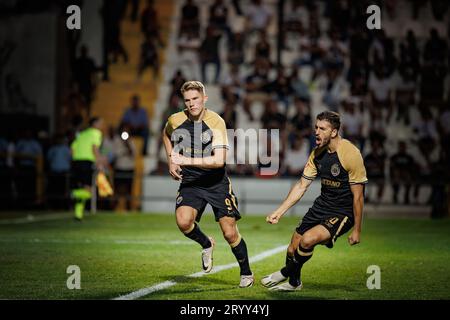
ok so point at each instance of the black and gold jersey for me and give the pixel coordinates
(337, 171)
(195, 140)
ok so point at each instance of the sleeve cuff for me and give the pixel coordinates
(224, 146)
(359, 182)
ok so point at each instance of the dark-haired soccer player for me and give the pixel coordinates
(339, 207)
(85, 157)
(196, 147)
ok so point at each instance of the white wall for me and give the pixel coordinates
(255, 196)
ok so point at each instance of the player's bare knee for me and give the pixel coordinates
(185, 225)
(230, 235)
(308, 241)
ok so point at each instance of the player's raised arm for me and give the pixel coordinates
(358, 204)
(295, 194)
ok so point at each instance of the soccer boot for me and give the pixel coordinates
(286, 287)
(247, 281)
(273, 279)
(207, 257)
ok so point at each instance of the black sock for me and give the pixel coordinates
(240, 252)
(294, 267)
(198, 236)
(289, 260)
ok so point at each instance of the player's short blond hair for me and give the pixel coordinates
(193, 85)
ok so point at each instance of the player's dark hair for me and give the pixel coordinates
(93, 120)
(332, 117)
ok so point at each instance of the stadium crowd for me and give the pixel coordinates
(379, 84)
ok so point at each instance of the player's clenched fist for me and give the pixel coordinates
(273, 218)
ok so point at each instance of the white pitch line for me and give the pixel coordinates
(166, 284)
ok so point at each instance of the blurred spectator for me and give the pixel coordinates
(439, 9)
(377, 127)
(177, 82)
(233, 85)
(209, 53)
(440, 179)
(256, 85)
(190, 21)
(149, 57)
(149, 23)
(124, 164)
(299, 87)
(432, 86)
(262, 47)
(235, 54)
(218, 17)
(296, 157)
(112, 13)
(134, 10)
(444, 128)
(405, 90)
(375, 163)
(296, 17)
(301, 122)
(229, 114)
(403, 169)
(281, 88)
(335, 89)
(352, 124)
(85, 76)
(270, 159)
(358, 73)
(304, 49)
(340, 16)
(391, 8)
(381, 53)
(74, 111)
(28, 153)
(435, 51)
(336, 53)
(380, 90)
(258, 17)
(136, 119)
(416, 5)
(427, 135)
(272, 118)
(107, 147)
(188, 46)
(409, 61)
(237, 7)
(59, 158)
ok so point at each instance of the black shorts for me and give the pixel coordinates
(220, 196)
(81, 174)
(336, 224)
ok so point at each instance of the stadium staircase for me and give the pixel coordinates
(114, 96)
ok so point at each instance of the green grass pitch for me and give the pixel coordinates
(119, 254)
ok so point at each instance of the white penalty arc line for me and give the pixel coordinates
(167, 284)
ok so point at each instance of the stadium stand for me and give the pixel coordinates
(390, 85)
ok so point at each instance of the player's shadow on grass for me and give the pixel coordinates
(307, 292)
(202, 284)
